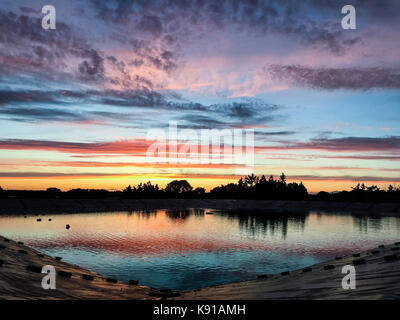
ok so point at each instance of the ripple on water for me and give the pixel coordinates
(187, 250)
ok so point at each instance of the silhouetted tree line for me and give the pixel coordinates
(174, 189)
(361, 193)
(254, 187)
(249, 187)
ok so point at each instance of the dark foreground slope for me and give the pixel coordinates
(377, 277)
(20, 278)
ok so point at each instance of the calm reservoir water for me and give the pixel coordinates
(189, 249)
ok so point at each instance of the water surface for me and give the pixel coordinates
(189, 249)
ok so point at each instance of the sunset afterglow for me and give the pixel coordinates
(77, 103)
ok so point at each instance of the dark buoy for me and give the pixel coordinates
(58, 258)
(64, 274)
(163, 293)
(391, 257)
(111, 280)
(38, 220)
(67, 226)
(49, 219)
(209, 212)
(25, 217)
(329, 267)
(33, 268)
(87, 277)
(359, 262)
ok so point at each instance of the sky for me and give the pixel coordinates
(77, 103)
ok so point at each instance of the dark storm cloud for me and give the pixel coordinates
(93, 68)
(360, 157)
(27, 47)
(232, 115)
(246, 110)
(389, 145)
(63, 104)
(28, 10)
(240, 110)
(39, 114)
(160, 55)
(59, 97)
(337, 78)
(53, 174)
(145, 99)
(123, 98)
(349, 144)
(183, 19)
(65, 54)
(10, 96)
(125, 78)
(151, 24)
(251, 111)
(344, 178)
(60, 105)
(387, 10)
(274, 133)
(198, 121)
(130, 98)
(127, 147)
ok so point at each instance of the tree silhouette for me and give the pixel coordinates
(248, 187)
(254, 187)
(178, 186)
(199, 191)
(251, 181)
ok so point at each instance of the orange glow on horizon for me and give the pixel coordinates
(119, 182)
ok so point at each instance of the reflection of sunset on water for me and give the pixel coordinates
(189, 241)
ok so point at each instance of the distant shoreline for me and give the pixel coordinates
(24, 206)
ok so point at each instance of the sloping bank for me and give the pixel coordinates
(377, 277)
(21, 278)
(10, 206)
